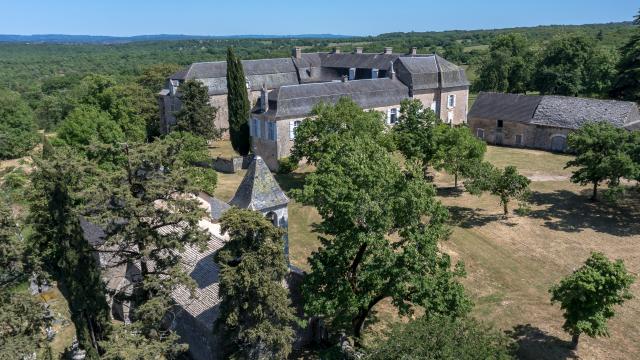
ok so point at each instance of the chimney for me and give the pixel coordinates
(345, 78)
(388, 50)
(336, 50)
(414, 51)
(264, 99)
(392, 71)
(297, 52)
(359, 50)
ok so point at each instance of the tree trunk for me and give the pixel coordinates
(358, 321)
(595, 192)
(505, 208)
(455, 180)
(574, 341)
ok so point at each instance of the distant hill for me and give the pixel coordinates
(97, 39)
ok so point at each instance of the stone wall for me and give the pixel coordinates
(533, 136)
(461, 107)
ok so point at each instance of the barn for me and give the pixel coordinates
(543, 122)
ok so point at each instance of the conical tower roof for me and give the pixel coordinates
(259, 189)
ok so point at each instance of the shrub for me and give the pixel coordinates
(287, 166)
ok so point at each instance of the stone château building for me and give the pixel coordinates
(283, 91)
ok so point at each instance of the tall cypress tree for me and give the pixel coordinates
(238, 104)
(196, 115)
(60, 246)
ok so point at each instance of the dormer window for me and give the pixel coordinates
(352, 73)
(374, 73)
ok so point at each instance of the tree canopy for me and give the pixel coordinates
(589, 295)
(17, 126)
(196, 115)
(507, 184)
(508, 65)
(374, 243)
(415, 132)
(602, 154)
(256, 317)
(458, 151)
(334, 124)
(443, 338)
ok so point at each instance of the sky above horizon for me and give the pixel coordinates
(372, 17)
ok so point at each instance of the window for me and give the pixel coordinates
(450, 117)
(374, 73)
(271, 130)
(500, 123)
(393, 116)
(480, 134)
(293, 125)
(519, 140)
(255, 128)
(451, 101)
(352, 73)
(434, 106)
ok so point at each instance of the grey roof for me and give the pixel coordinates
(499, 106)
(259, 189)
(430, 72)
(360, 61)
(93, 233)
(556, 111)
(271, 73)
(299, 100)
(203, 306)
(218, 207)
(573, 112)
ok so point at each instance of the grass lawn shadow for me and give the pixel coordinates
(572, 212)
(467, 218)
(534, 343)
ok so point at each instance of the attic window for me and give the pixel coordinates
(374, 73)
(500, 123)
(352, 73)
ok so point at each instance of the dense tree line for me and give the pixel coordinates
(569, 64)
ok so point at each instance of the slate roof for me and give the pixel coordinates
(298, 100)
(419, 72)
(272, 73)
(499, 106)
(258, 189)
(573, 112)
(430, 72)
(203, 306)
(360, 61)
(556, 111)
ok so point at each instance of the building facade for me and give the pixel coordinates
(283, 91)
(543, 122)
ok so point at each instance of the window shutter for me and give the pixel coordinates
(251, 127)
(292, 134)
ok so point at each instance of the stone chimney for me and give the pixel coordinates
(388, 50)
(392, 71)
(297, 52)
(336, 50)
(345, 78)
(414, 51)
(264, 99)
(359, 50)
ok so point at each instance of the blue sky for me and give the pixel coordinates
(231, 17)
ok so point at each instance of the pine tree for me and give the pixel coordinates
(238, 104)
(255, 314)
(196, 115)
(61, 247)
